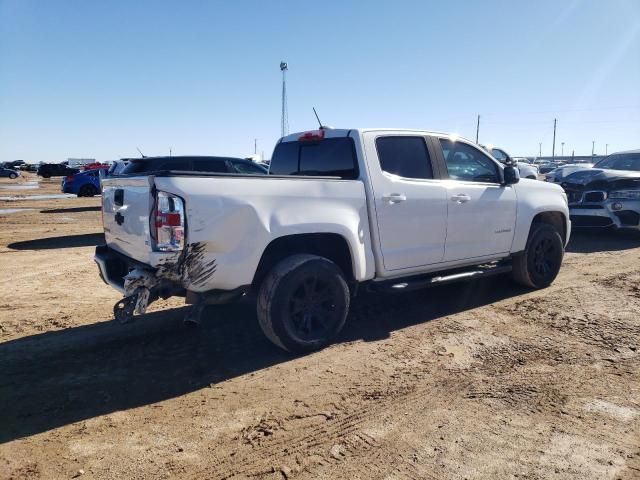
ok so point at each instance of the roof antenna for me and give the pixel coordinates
(317, 118)
(141, 154)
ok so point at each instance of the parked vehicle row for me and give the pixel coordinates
(340, 211)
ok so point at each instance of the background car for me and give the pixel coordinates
(82, 184)
(49, 170)
(9, 172)
(525, 169)
(607, 195)
(194, 163)
(557, 175)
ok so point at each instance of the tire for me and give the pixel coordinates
(303, 303)
(13, 176)
(46, 176)
(87, 191)
(538, 267)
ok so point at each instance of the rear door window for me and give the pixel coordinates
(406, 157)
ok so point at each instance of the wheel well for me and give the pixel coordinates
(556, 219)
(328, 245)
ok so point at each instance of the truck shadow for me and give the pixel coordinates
(67, 241)
(57, 378)
(72, 210)
(598, 240)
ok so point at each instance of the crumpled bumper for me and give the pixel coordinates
(613, 213)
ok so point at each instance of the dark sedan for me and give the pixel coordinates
(8, 172)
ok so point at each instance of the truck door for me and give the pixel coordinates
(482, 211)
(409, 198)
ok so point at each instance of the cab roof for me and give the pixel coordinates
(344, 132)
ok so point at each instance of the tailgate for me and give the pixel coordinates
(126, 208)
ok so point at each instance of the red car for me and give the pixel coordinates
(93, 166)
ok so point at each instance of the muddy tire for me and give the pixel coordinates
(539, 265)
(87, 191)
(303, 303)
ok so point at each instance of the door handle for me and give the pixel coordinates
(394, 198)
(460, 198)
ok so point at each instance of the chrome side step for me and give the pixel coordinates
(425, 281)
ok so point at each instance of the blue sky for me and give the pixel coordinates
(100, 78)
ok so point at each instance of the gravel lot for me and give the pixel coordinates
(479, 380)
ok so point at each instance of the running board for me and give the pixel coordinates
(426, 281)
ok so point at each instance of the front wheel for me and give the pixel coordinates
(13, 176)
(303, 303)
(538, 267)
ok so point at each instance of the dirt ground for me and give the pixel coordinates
(480, 380)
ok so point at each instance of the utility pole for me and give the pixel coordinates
(593, 148)
(563, 149)
(284, 121)
(606, 149)
(540, 154)
(255, 146)
(553, 148)
(478, 129)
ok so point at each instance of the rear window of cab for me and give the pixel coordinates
(329, 157)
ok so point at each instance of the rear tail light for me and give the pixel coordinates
(68, 178)
(169, 222)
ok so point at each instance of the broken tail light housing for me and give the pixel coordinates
(169, 222)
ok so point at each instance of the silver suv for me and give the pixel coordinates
(607, 195)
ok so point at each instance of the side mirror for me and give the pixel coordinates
(511, 175)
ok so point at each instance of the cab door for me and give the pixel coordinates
(410, 200)
(481, 210)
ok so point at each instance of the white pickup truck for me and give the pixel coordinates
(341, 210)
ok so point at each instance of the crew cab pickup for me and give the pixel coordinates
(340, 211)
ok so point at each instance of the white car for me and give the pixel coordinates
(341, 211)
(526, 169)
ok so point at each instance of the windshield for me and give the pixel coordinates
(620, 161)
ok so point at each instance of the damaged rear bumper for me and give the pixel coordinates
(117, 270)
(114, 266)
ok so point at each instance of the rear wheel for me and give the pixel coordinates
(12, 176)
(87, 191)
(303, 303)
(539, 265)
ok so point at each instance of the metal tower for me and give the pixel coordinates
(284, 121)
